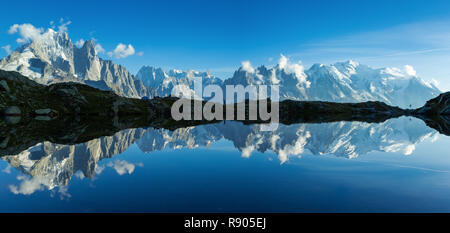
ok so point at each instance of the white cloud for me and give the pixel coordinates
(282, 62)
(79, 175)
(435, 82)
(409, 70)
(409, 149)
(297, 68)
(27, 32)
(79, 43)
(122, 51)
(122, 167)
(290, 150)
(435, 137)
(7, 49)
(99, 48)
(247, 151)
(99, 170)
(63, 25)
(64, 192)
(7, 169)
(247, 66)
(27, 186)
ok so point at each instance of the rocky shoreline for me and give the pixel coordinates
(70, 113)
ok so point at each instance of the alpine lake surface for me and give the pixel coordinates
(400, 165)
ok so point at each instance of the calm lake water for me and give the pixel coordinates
(400, 165)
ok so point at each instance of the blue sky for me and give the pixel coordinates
(218, 35)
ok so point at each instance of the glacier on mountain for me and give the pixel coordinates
(340, 82)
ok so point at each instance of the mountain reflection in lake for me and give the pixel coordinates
(398, 165)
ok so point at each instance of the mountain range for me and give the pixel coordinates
(54, 58)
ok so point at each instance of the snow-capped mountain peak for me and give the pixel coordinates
(52, 57)
(52, 46)
(347, 81)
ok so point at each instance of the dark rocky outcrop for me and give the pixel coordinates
(436, 106)
(63, 98)
(319, 111)
(70, 113)
(436, 113)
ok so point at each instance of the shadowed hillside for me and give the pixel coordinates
(70, 113)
